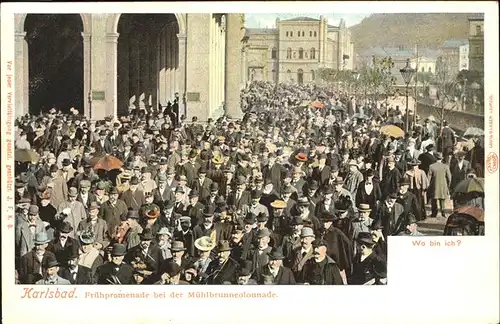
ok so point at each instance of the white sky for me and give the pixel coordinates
(269, 20)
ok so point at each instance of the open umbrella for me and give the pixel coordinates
(23, 155)
(317, 104)
(470, 185)
(392, 130)
(107, 162)
(473, 132)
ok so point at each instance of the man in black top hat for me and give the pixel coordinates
(145, 257)
(115, 272)
(103, 145)
(366, 262)
(63, 244)
(389, 213)
(321, 269)
(76, 274)
(203, 184)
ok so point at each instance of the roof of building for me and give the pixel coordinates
(477, 16)
(331, 26)
(260, 31)
(301, 19)
(453, 43)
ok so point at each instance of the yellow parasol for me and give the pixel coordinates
(392, 130)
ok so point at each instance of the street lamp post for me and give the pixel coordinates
(464, 94)
(407, 74)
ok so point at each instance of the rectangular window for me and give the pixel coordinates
(310, 34)
(298, 34)
(286, 34)
(291, 34)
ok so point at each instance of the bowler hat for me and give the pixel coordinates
(438, 155)
(146, 235)
(250, 219)
(66, 162)
(208, 211)
(171, 268)
(33, 210)
(365, 238)
(66, 228)
(404, 181)
(223, 246)
(263, 233)
(214, 186)
(313, 185)
(50, 261)
(244, 272)
(261, 218)
(327, 216)
(256, 194)
(276, 254)
(204, 243)
(85, 184)
(134, 180)
(41, 238)
(288, 189)
(194, 193)
(376, 225)
(411, 219)
(177, 246)
(393, 195)
(297, 220)
(179, 189)
(93, 205)
(307, 232)
(118, 250)
(328, 190)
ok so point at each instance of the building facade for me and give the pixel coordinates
(450, 54)
(143, 60)
(476, 43)
(296, 49)
(464, 57)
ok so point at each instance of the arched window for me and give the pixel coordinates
(288, 75)
(286, 34)
(289, 53)
(300, 76)
(310, 33)
(303, 34)
(313, 54)
(313, 76)
(291, 34)
(430, 69)
(423, 69)
(273, 53)
(315, 34)
(301, 53)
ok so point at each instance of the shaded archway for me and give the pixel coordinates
(55, 61)
(148, 61)
(300, 76)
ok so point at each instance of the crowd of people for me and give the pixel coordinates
(292, 193)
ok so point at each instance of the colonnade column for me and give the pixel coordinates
(173, 61)
(86, 73)
(134, 69)
(112, 65)
(222, 64)
(145, 89)
(124, 73)
(162, 78)
(21, 76)
(181, 75)
(153, 68)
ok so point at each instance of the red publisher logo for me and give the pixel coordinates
(492, 162)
